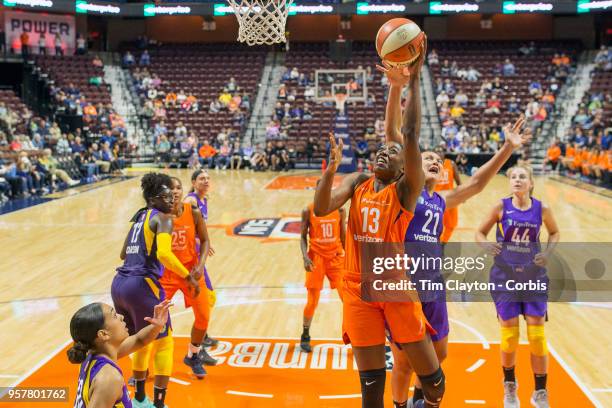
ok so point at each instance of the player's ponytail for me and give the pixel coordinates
(77, 353)
(84, 327)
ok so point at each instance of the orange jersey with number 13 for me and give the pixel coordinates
(373, 217)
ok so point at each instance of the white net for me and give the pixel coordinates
(261, 21)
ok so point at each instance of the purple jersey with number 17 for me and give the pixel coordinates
(141, 251)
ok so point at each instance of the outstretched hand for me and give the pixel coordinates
(160, 314)
(335, 153)
(515, 135)
(398, 76)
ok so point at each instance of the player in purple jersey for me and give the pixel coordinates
(136, 289)
(426, 226)
(101, 338)
(200, 183)
(518, 257)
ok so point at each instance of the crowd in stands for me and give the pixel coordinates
(472, 122)
(178, 148)
(586, 150)
(175, 115)
(37, 157)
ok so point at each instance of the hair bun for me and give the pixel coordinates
(77, 353)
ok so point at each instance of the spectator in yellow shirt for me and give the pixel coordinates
(457, 111)
(225, 97)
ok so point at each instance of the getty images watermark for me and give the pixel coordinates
(468, 272)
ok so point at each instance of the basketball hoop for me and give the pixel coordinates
(261, 21)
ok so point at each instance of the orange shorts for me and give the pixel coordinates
(367, 323)
(171, 282)
(450, 221)
(330, 267)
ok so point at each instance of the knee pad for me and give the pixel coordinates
(164, 353)
(433, 386)
(373, 387)
(537, 340)
(140, 358)
(212, 298)
(509, 339)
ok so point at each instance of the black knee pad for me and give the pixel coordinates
(433, 387)
(373, 388)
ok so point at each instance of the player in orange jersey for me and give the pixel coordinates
(448, 179)
(323, 257)
(189, 223)
(423, 229)
(381, 209)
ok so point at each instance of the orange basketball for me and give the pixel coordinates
(399, 41)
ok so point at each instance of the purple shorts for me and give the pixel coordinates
(509, 310)
(135, 297)
(437, 316)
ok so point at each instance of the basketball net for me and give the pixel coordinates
(261, 21)
(340, 101)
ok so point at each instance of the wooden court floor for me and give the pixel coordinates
(60, 255)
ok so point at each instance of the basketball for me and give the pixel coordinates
(399, 41)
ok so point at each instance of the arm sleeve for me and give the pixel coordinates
(166, 257)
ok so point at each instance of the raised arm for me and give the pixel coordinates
(411, 183)
(398, 78)
(515, 138)
(149, 333)
(327, 200)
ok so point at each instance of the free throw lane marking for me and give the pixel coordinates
(249, 394)
(476, 365)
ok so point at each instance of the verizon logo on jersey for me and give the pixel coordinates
(364, 238)
(366, 200)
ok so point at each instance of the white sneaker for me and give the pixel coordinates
(539, 399)
(511, 399)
